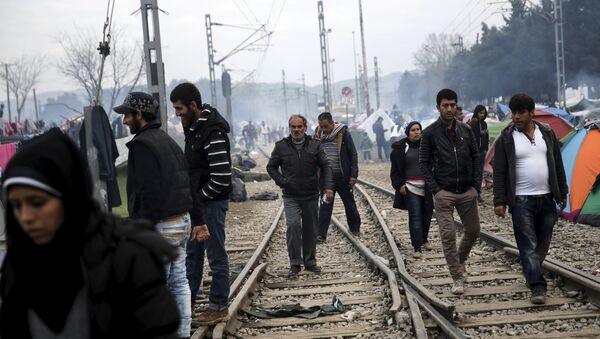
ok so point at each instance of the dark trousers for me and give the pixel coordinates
(214, 215)
(420, 211)
(346, 193)
(533, 222)
(301, 234)
(381, 148)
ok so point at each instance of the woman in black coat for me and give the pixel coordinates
(409, 185)
(72, 270)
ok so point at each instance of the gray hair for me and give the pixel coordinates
(304, 122)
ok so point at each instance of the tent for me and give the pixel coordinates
(367, 124)
(560, 127)
(563, 114)
(581, 159)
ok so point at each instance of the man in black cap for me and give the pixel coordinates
(158, 189)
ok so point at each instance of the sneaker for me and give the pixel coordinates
(211, 317)
(458, 287)
(294, 270)
(314, 269)
(427, 246)
(538, 297)
(417, 253)
(320, 239)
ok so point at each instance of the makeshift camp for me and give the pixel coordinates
(581, 159)
(367, 124)
(560, 127)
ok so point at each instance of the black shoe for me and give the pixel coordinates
(294, 270)
(355, 233)
(538, 297)
(314, 269)
(320, 239)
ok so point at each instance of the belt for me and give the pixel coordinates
(539, 196)
(173, 218)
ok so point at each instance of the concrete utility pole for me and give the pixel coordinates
(364, 55)
(35, 104)
(560, 54)
(356, 88)
(304, 95)
(7, 93)
(377, 83)
(324, 57)
(284, 92)
(211, 61)
(226, 89)
(155, 72)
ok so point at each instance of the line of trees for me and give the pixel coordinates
(519, 56)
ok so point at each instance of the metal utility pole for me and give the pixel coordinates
(35, 104)
(284, 92)
(226, 88)
(560, 54)
(364, 55)
(356, 89)
(155, 72)
(324, 57)
(211, 61)
(377, 83)
(330, 62)
(7, 93)
(304, 95)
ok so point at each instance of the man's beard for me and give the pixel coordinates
(135, 127)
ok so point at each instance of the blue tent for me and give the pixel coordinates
(501, 111)
(559, 112)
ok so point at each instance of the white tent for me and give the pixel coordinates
(367, 124)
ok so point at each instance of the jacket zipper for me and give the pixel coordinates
(456, 161)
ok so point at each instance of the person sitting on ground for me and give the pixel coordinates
(71, 270)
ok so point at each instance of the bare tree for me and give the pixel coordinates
(435, 54)
(23, 74)
(123, 69)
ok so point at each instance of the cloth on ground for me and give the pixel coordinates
(265, 195)
(296, 310)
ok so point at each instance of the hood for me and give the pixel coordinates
(399, 144)
(210, 118)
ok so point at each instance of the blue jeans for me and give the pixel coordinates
(214, 215)
(177, 281)
(533, 221)
(419, 218)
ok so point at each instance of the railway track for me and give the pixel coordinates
(496, 299)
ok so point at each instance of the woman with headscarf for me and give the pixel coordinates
(409, 185)
(482, 137)
(71, 270)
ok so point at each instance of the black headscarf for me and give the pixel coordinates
(46, 278)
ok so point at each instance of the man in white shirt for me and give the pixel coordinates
(529, 177)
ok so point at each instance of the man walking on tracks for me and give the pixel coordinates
(207, 151)
(158, 189)
(530, 178)
(339, 147)
(294, 165)
(449, 159)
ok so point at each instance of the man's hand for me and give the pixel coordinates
(402, 189)
(563, 203)
(329, 194)
(352, 182)
(200, 233)
(500, 211)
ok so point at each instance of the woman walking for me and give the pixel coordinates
(409, 185)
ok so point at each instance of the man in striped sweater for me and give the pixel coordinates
(207, 151)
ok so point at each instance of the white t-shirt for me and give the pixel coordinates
(531, 164)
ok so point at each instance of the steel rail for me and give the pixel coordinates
(252, 262)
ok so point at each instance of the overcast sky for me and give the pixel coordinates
(394, 30)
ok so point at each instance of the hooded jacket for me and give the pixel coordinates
(207, 151)
(120, 264)
(397, 172)
(346, 153)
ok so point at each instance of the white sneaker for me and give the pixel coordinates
(458, 287)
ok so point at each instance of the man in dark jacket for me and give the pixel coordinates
(530, 178)
(158, 189)
(380, 138)
(294, 165)
(482, 137)
(339, 147)
(449, 159)
(207, 151)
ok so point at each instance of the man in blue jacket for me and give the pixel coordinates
(341, 153)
